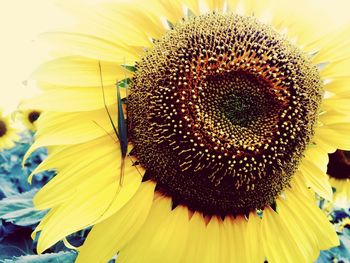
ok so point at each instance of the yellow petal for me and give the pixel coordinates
(92, 201)
(75, 99)
(254, 251)
(159, 213)
(337, 69)
(215, 5)
(337, 104)
(317, 156)
(62, 129)
(316, 179)
(61, 156)
(338, 85)
(109, 236)
(104, 20)
(334, 48)
(93, 47)
(168, 10)
(336, 135)
(76, 178)
(279, 245)
(298, 227)
(334, 117)
(80, 72)
(240, 235)
(196, 245)
(317, 220)
(166, 241)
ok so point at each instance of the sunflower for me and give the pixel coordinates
(187, 131)
(8, 133)
(29, 118)
(339, 173)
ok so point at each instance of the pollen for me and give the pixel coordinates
(220, 112)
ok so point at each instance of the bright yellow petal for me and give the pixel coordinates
(254, 251)
(109, 236)
(165, 239)
(338, 85)
(160, 212)
(335, 135)
(75, 99)
(196, 246)
(92, 200)
(334, 117)
(318, 222)
(279, 245)
(62, 128)
(80, 72)
(298, 227)
(107, 21)
(92, 47)
(215, 5)
(316, 179)
(171, 11)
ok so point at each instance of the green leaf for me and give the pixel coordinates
(19, 209)
(61, 257)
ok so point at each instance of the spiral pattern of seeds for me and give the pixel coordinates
(220, 112)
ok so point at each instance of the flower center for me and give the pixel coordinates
(33, 116)
(339, 165)
(3, 128)
(220, 112)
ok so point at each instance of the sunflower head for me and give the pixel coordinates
(7, 133)
(29, 118)
(228, 96)
(3, 127)
(339, 173)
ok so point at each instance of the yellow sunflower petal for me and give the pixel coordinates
(335, 135)
(58, 191)
(109, 236)
(80, 72)
(92, 47)
(338, 85)
(91, 201)
(196, 245)
(75, 99)
(160, 212)
(254, 251)
(334, 117)
(61, 156)
(334, 48)
(104, 20)
(337, 69)
(316, 179)
(279, 245)
(166, 240)
(217, 5)
(317, 220)
(61, 129)
(296, 224)
(169, 10)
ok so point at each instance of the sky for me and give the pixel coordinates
(20, 23)
(22, 20)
